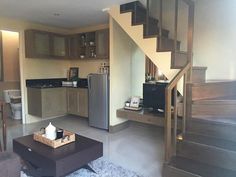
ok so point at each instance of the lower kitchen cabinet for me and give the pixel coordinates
(47, 102)
(77, 101)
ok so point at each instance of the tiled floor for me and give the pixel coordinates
(138, 148)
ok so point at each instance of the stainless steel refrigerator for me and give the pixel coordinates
(98, 86)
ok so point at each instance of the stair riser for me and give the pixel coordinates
(218, 130)
(178, 60)
(166, 45)
(154, 30)
(221, 110)
(213, 90)
(169, 171)
(207, 154)
(199, 75)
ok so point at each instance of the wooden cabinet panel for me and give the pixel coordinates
(77, 101)
(102, 44)
(59, 46)
(72, 101)
(41, 44)
(47, 103)
(73, 46)
(90, 45)
(54, 102)
(94, 45)
(83, 102)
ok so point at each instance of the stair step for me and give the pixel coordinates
(166, 45)
(152, 21)
(199, 74)
(218, 128)
(212, 90)
(226, 120)
(139, 18)
(138, 12)
(178, 59)
(208, 150)
(183, 167)
(210, 141)
(214, 108)
(154, 30)
(130, 7)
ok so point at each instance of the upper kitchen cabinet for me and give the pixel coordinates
(89, 45)
(73, 46)
(102, 44)
(94, 45)
(59, 44)
(41, 44)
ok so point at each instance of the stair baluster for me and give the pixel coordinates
(147, 18)
(160, 24)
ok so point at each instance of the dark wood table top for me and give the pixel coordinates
(81, 144)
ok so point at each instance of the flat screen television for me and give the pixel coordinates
(154, 95)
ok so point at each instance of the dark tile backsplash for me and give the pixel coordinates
(51, 83)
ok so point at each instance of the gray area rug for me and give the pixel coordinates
(103, 168)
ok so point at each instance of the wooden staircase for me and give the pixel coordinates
(145, 31)
(207, 145)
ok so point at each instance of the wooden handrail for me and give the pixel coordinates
(180, 74)
(168, 94)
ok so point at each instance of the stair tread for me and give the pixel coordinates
(225, 98)
(219, 100)
(200, 169)
(217, 120)
(210, 141)
(214, 82)
(199, 67)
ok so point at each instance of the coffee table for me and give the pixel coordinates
(43, 160)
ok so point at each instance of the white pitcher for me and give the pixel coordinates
(50, 132)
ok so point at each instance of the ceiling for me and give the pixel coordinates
(60, 13)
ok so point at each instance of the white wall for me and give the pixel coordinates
(120, 61)
(137, 71)
(214, 38)
(127, 70)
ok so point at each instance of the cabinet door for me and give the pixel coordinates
(73, 46)
(59, 46)
(53, 102)
(41, 44)
(83, 102)
(102, 44)
(72, 96)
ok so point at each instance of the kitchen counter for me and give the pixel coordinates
(48, 98)
(46, 87)
(54, 83)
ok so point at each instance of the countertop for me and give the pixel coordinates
(54, 83)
